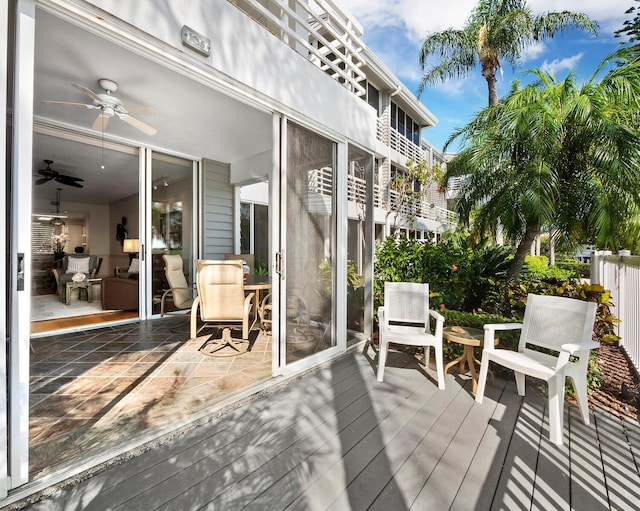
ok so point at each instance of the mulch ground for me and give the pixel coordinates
(620, 388)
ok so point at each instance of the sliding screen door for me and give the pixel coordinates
(307, 312)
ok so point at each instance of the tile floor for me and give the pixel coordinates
(92, 390)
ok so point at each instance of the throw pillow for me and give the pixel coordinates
(78, 265)
(135, 265)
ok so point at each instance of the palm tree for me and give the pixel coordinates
(497, 30)
(557, 155)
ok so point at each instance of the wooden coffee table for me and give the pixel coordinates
(85, 284)
(469, 338)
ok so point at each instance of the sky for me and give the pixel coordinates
(395, 29)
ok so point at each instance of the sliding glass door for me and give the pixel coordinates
(171, 217)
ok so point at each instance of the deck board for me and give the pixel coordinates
(338, 439)
(588, 486)
(621, 473)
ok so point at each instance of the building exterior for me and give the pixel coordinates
(254, 125)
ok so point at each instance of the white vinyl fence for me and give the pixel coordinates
(621, 275)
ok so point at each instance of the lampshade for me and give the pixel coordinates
(130, 245)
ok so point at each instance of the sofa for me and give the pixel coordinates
(119, 294)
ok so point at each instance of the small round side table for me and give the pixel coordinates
(469, 338)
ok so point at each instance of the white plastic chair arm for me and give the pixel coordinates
(439, 323)
(438, 317)
(502, 326)
(573, 348)
(490, 332)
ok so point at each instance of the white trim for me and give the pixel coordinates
(20, 306)
(339, 298)
(4, 437)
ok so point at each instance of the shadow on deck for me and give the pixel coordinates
(337, 439)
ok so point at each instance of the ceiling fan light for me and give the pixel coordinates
(107, 111)
(57, 221)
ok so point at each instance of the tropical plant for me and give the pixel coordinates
(497, 30)
(555, 155)
(408, 189)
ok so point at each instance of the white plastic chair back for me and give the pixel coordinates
(406, 302)
(551, 321)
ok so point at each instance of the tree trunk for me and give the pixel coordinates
(521, 252)
(493, 92)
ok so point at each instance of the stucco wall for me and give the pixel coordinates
(246, 52)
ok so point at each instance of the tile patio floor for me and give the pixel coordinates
(91, 391)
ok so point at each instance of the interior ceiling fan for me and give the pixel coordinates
(109, 106)
(49, 174)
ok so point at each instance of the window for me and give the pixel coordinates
(404, 124)
(41, 237)
(373, 97)
(254, 232)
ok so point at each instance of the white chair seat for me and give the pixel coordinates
(529, 363)
(411, 336)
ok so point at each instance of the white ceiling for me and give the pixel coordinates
(191, 119)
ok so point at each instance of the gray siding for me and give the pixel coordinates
(218, 209)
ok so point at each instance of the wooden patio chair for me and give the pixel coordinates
(555, 340)
(405, 319)
(222, 301)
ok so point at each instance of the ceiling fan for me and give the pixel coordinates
(49, 174)
(109, 106)
(57, 220)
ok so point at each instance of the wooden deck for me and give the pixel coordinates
(338, 439)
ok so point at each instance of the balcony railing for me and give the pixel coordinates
(406, 147)
(319, 31)
(321, 183)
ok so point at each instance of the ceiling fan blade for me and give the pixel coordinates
(145, 128)
(69, 181)
(48, 173)
(139, 109)
(88, 91)
(42, 180)
(68, 103)
(100, 124)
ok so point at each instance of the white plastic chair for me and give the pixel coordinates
(562, 325)
(404, 319)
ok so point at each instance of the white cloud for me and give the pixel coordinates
(420, 18)
(565, 64)
(533, 51)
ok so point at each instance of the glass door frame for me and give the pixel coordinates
(146, 229)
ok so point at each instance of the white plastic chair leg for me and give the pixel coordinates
(427, 355)
(520, 383)
(482, 378)
(439, 367)
(583, 399)
(382, 358)
(556, 408)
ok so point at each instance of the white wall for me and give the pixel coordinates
(248, 53)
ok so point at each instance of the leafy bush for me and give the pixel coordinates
(578, 269)
(459, 277)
